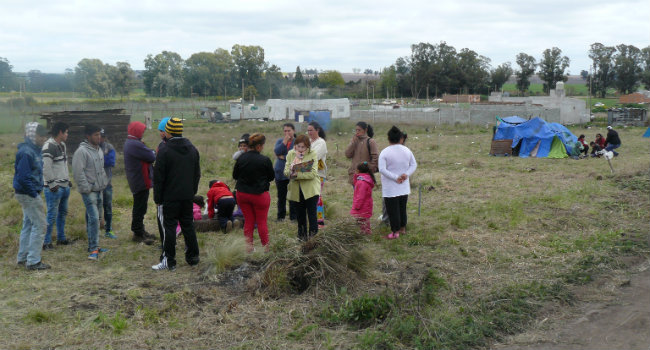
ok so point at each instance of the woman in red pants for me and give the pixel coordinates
(253, 172)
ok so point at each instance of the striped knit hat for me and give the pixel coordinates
(174, 127)
(34, 128)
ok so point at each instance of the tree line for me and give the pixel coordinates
(430, 70)
(433, 69)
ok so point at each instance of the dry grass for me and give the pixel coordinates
(485, 223)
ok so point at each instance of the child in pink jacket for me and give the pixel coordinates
(364, 182)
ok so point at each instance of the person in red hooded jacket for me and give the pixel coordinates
(364, 182)
(138, 160)
(221, 200)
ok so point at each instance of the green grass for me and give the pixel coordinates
(461, 277)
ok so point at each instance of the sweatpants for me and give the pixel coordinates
(140, 200)
(225, 208)
(396, 209)
(255, 208)
(171, 215)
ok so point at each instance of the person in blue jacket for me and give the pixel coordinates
(28, 184)
(107, 194)
(282, 147)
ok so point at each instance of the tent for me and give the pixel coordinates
(647, 133)
(537, 138)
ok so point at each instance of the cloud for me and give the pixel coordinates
(341, 35)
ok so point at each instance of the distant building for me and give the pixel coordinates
(571, 110)
(637, 97)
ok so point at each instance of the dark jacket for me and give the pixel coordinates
(612, 138)
(109, 159)
(253, 173)
(138, 160)
(281, 150)
(177, 171)
(28, 169)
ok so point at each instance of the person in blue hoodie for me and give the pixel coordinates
(282, 147)
(28, 184)
(107, 194)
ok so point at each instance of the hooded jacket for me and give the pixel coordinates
(177, 171)
(218, 190)
(28, 169)
(88, 168)
(55, 164)
(253, 172)
(109, 159)
(281, 149)
(357, 152)
(612, 138)
(362, 200)
(138, 159)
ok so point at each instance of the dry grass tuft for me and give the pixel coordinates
(225, 253)
(333, 257)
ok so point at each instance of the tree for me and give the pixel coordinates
(251, 92)
(163, 74)
(389, 80)
(274, 79)
(91, 78)
(331, 79)
(298, 78)
(225, 70)
(602, 58)
(200, 74)
(645, 62)
(584, 75)
(500, 75)
(473, 71)
(8, 81)
(123, 78)
(627, 68)
(527, 67)
(249, 63)
(552, 67)
(368, 71)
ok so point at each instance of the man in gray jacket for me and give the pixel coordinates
(89, 174)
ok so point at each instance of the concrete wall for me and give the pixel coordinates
(285, 109)
(475, 114)
(572, 110)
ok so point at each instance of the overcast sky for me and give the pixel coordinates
(335, 34)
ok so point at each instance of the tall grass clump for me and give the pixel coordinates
(225, 253)
(335, 256)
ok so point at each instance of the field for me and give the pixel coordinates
(497, 245)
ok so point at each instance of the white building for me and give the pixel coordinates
(286, 109)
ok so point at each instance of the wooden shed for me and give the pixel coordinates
(113, 121)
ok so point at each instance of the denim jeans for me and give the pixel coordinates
(107, 208)
(57, 210)
(33, 232)
(93, 203)
(612, 147)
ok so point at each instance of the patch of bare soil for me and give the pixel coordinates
(621, 322)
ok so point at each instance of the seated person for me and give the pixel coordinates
(584, 147)
(242, 147)
(221, 201)
(595, 149)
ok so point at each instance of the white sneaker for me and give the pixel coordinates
(381, 217)
(163, 266)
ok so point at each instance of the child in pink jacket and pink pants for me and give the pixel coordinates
(364, 182)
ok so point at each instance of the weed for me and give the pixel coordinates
(375, 340)
(39, 316)
(429, 287)
(361, 311)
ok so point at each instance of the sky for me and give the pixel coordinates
(53, 35)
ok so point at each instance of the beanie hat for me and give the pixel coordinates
(163, 122)
(174, 127)
(243, 139)
(609, 127)
(34, 128)
(136, 129)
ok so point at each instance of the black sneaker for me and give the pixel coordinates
(38, 266)
(21, 263)
(48, 246)
(149, 235)
(64, 242)
(145, 240)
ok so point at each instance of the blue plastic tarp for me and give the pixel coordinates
(647, 133)
(536, 132)
(514, 120)
(321, 117)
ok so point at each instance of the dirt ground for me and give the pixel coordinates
(621, 321)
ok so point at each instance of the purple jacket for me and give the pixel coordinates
(138, 160)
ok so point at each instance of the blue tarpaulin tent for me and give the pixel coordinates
(535, 138)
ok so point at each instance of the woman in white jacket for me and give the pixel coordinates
(318, 144)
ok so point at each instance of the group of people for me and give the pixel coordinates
(600, 144)
(173, 171)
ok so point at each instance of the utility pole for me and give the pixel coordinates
(241, 115)
(589, 104)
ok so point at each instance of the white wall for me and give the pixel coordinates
(285, 109)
